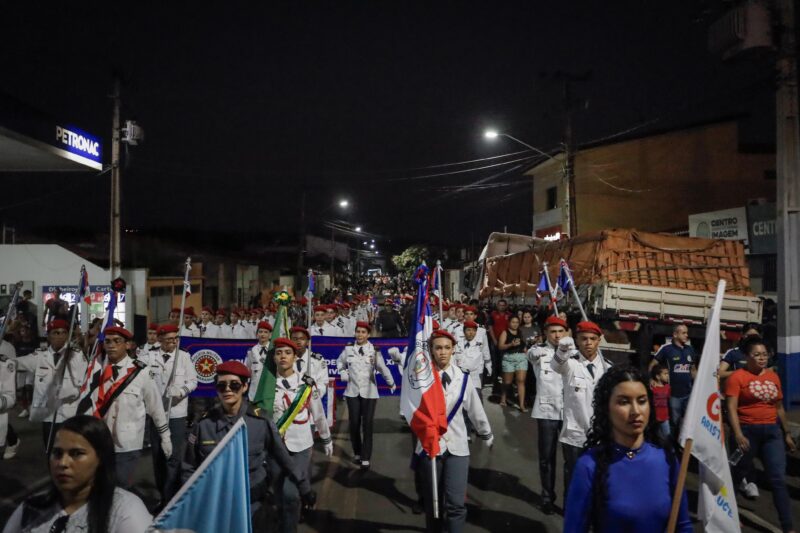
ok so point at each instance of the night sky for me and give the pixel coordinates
(246, 106)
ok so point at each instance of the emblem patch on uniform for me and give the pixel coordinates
(205, 364)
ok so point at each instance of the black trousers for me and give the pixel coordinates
(549, 431)
(571, 454)
(362, 414)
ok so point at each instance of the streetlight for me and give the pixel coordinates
(372, 246)
(358, 229)
(570, 213)
(343, 204)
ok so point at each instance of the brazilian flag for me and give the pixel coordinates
(265, 392)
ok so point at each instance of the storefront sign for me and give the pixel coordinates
(762, 228)
(728, 224)
(79, 143)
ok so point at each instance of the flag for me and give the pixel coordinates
(703, 424)
(89, 393)
(217, 496)
(83, 288)
(564, 279)
(421, 396)
(187, 286)
(265, 392)
(312, 283)
(542, 287)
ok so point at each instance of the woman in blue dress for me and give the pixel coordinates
(625, 479)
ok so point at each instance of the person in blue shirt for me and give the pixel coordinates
(679, 357)
(626, 478)
(735, 358)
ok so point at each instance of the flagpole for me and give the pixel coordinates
(64, 364)
(310, 303)
(12, 306)
(566, 268)
(678, 495)
(441, 291)
(178, 343)
(550, 288)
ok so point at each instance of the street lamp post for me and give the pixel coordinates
(570, 213)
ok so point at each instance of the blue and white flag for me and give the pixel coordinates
(217, 496)
(312, 283)
(542, 287)
(108, 320)
(564, 279)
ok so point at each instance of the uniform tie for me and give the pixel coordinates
(263, 350)
(445, 379)
(56, 357)
(361, 351)
(467, 345)
(115, 372)
(166, 358)
(60, 525)
(590, 368)
(286, 384)
(299, 365)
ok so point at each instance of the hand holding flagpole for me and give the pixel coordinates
(187, 289)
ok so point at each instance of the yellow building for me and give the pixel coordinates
(653, 183)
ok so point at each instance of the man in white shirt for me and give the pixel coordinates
(175, 376)
(152, 344)
(208, 330)
(320, 326)
(189, 328)
(234, 330)
(257, 356)
(548, 406)
(581, 373)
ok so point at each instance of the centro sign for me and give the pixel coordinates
(78, 142)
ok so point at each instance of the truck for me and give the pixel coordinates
(636, 285)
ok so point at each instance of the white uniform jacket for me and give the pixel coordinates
(255, 361)
(578, 394)
(42, 365)
(183, 382)
(325, 330)
(233, 331)
(210, 330)
(191, 331)
(549, 402)
(348, 326)
(299, 436)
(8, 394)
(455, 438)
(472, 356)
(316, 366)
(126, 415)
(145, 349)
(357, 365)
(250, 328)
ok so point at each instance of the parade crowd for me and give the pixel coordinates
(616, 425)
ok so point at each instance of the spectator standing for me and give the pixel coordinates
(514, 362)
(679, 357)
(735, 358)
(659, 384)
(389, 323)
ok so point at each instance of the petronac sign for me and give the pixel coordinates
(79, 143)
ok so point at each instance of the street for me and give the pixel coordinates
(503, 493)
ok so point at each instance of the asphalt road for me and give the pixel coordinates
(503, 492)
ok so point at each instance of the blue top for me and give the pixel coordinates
(639, 493)
(679, 361)
(735, 358)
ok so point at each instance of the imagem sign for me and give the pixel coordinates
(78, 143)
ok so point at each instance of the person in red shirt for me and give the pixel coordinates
(498, 323)
(759, 425)
(659, 384)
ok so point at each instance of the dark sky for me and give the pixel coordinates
(246, 106)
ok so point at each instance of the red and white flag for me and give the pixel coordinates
(422, 400)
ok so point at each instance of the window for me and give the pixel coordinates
(552, 198)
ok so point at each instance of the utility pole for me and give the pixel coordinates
(115, 261)
(301, 243)
(569, 163)
(788, 206)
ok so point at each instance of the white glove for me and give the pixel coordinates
(344, 375)
(166, 445)
(489, 442)
(393, 388)
(394, 353)
(175, 392)
(566, 345)
(329, 449)
(488, 367)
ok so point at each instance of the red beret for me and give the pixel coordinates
(319, 308)
(117, 330)
(554, 320)
(443, 333)
(257, 310)
(435, 325)
(189, 311)
(169, 328)
(176, 310)
(221, 311)
(445, 307)
(152, 327)
(235, 312)
(345, 306)
(364, 325)
(233, 367)
(57, 324)
(407, 297)
(208, 310)
(264, 325)
(588, 327)
(303, 301)
(470, 324)
(300, 329)
(471, 308)
(286, 343)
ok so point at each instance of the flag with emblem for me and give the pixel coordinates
(217, 495)
(83, 288)
(422, 400)
(702, 425)
(265, 392)
(89, 395)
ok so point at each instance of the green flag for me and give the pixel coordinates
(265, 392)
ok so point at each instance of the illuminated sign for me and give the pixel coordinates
(78, 143)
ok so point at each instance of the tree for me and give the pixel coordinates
(410, 258)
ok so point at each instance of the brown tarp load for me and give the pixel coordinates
(623, 256)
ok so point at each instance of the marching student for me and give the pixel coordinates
(174, 375)
(472, 355)
(580, 372)
(357, 365)
(321, 326)
(234, 330)
(8, 397)
(126, 393)
(208, 330)
(152, 344)
(189, 328)
(219, 318)
(310, 363)
(50, 393)
(257, 356)
(452, 463)
(548, 406)
(294, 408)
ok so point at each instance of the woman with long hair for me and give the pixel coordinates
(83, 494)
(625, 479)
(514, 363)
